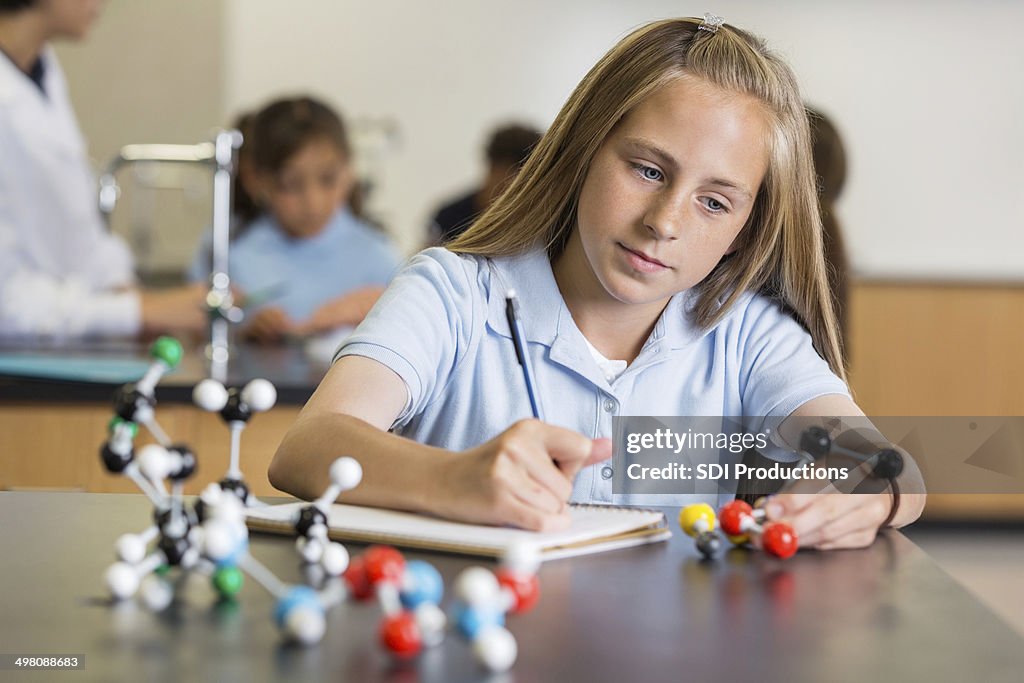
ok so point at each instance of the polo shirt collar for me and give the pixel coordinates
(545, 315)
(540, 301)
(675, 328)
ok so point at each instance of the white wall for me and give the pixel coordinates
(152, 72)
(929, 96)
(148, 72)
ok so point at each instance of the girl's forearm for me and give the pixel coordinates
(397, 472)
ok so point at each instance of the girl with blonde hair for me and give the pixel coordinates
(665, 245)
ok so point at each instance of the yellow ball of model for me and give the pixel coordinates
(697, 518)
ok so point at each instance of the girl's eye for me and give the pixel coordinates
(648, 172)
(715, 206)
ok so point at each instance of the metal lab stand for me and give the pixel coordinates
(221, 156)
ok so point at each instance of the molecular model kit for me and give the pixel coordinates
(210, 538)
(742, 524)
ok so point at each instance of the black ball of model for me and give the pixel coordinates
(816, 442)
(188, 462)
(236, 410)
(308, 518)
(708, 543)
(115, 462)
(128, 400)
(199, 510)
(237, 487)
(163, 518)
(174, 548)
(889, 464)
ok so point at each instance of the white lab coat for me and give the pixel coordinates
(60, 268)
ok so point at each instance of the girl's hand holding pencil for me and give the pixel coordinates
(522, 477)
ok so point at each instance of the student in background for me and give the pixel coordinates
(61, 272)
(307, 262)
(506, 151)
(665, 243)
(830, 165)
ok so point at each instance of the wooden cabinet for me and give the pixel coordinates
(941, 349)
(56, 446)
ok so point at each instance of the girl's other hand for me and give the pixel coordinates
(269, 326)
(521, 477)
(830, 519)
(826, 518)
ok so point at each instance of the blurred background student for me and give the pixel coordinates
(61, 272)
(307, 263)
(506, 151)
(830, 165)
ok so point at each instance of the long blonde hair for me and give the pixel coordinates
(780, 249)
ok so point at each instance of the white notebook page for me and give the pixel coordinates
(590, 524)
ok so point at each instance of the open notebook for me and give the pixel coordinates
(595, 528)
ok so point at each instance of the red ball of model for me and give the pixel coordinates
(525, 588)
(400, 634)
(731, 516)
(355, 576)
(778, 539)
(383, 563)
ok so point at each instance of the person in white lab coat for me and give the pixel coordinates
(61, 272)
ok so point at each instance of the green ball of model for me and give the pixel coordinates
(228, 581)
(117, 421)
(168, 350)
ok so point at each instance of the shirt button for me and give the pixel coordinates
(606, 472)
(609, 405)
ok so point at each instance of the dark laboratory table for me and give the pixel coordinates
(653, 613)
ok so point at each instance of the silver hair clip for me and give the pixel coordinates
(711, 23)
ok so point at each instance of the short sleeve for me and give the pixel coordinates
(423, 325)
(780, 368)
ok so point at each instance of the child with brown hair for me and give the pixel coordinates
(665, 244)
(325, 265)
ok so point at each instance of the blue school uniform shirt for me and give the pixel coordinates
(441, 327)
(306, 273)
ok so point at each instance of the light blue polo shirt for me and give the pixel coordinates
(306, 273)
(441, 327)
